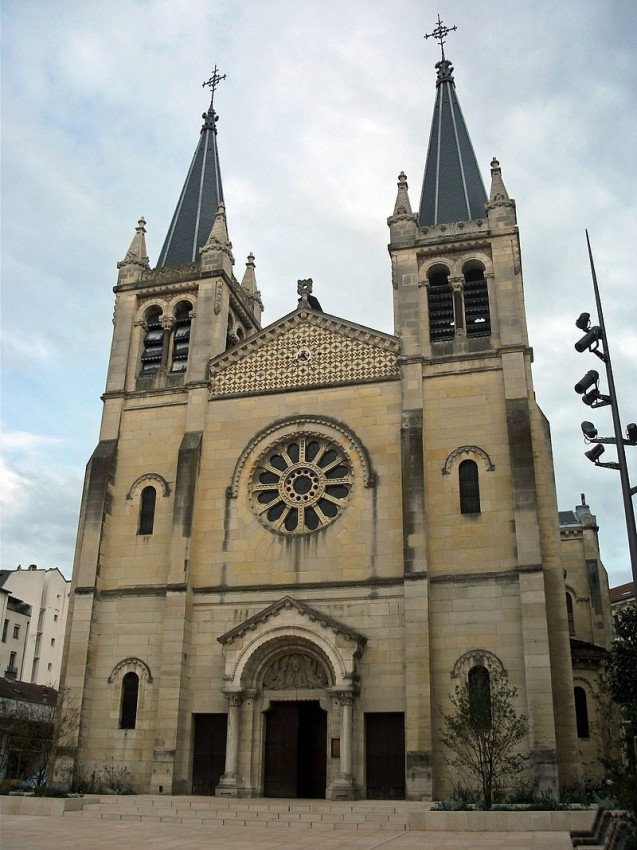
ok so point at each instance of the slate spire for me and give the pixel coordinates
(452, 188)
(202, 193)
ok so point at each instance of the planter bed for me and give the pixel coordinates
(20, 804)
(497, 821)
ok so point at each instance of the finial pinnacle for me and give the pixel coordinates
(212, 83)
(440, 32)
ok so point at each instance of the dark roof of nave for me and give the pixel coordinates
(452, 188)
(197, 206)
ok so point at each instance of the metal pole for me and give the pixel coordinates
(631, 529)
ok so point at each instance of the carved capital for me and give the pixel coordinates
(234, 698)
(345, 697)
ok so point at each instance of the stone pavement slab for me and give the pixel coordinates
(72, 833)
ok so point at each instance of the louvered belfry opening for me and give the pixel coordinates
(476, 303)
(440, 300)
(153, 345)
(181, 338)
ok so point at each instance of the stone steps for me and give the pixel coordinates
(277, 814)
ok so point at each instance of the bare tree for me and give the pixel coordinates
(483, 731)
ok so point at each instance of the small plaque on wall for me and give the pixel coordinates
(336, 748)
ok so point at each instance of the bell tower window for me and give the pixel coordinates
(181, 338)
(440, 301)
(476, 303)
(153, 345)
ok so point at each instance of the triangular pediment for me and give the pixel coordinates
(287, 603)
(305, 349)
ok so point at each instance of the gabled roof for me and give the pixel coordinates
(197, 206)
(452, 188)
(304, 350)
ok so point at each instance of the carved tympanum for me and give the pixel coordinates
(295, 671)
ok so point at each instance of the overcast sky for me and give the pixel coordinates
(324, 104)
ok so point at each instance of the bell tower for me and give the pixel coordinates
(479, 501)
(140, 483)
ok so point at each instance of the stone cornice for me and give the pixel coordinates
(312, 615)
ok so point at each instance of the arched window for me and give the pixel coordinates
(581, 713)
(440, 301)
(480, 697)
(476, 303)
(147, 510)
(153, 345)
(181, 337)
(570, 613)
(469, 487)
(130, 694)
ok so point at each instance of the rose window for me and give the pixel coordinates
(301, 484)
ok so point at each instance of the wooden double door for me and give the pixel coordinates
(209, 756)
(295, 763)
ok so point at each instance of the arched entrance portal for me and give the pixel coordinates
(295, 760)
(290, 681)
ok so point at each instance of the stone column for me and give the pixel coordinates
(167, 323)
(229, 784)
(343, 787)
(457, 284)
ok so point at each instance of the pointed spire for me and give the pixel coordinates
(137, 254)
(218, 240)
(499, 193)
(501, 208)
(200, 197)
(249, 282)
(452, 188)
(403, 204)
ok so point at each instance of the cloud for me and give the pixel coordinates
(323, 105)
(39, 502)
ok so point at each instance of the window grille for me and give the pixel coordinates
(153, 346)
(476, 304)
(181, 338)
(440, 300)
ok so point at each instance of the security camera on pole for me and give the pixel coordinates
(595, 341)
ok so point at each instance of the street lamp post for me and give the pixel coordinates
(589, 390)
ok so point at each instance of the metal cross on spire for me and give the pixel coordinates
(213, 82)
(440, 32)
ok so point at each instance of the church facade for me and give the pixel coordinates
(296, 540)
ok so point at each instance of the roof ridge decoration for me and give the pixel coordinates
(452, 188)
(201, 195)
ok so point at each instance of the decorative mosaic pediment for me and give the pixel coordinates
(306, 349)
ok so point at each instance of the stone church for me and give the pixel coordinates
(296, 540)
